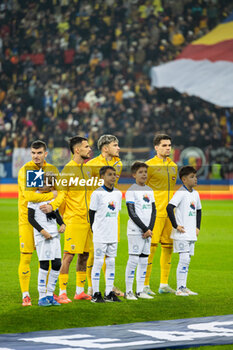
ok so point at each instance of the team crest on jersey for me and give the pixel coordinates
(173, 170)
(146, 198)
(192, 205)
(118, 168)
(112, 205)
(98, 252)
(72, 247)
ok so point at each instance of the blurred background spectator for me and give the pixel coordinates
(69, 67)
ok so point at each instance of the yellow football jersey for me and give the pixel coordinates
(162, 179)
(99, 161)
(74, 196)
(26, 195)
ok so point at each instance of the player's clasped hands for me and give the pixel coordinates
(180, 229)
(147, 234)
(46, 234)
(62, 228)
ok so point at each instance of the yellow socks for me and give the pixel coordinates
(63, 280)
(165, 263)
(90, 262)
(80, 281)
(149, 266)
(24, 271)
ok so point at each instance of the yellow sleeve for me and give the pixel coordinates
(59, 200)
(149, 172)
(31, 195)
(61, 193)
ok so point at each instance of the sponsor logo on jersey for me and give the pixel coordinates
(111, 215)
(192, 205)
(112, 205)
(146, 198)
(192, 213)
(24, 273)
(35, 178)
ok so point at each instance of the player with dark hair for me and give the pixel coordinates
(186, 224)
(162, 173)
(38, 154)
(142, 212)
(76, 217)
(47, 242)
(104, 208)
(109, 156)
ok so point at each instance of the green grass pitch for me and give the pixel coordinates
(210, 275)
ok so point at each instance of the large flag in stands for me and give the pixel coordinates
(204, 68)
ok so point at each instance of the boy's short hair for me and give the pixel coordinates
(137, 165)
(38, 144)
(186, 170)
(104, 169)
(50, 176)
(159, 137)
(76, 140)
(106, 140)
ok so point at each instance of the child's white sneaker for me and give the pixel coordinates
(182, 292)
(130, 296)
(143, 295)
(190, 292)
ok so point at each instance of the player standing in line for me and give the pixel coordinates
(47, 242)
(38, 154)
(104, 209)
(76, 217)
(109, 148)
(142, 212)
(186, 225)
(162, 173)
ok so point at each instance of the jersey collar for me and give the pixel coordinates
(187, 189)
(107, 189)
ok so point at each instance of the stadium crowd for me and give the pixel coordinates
(69, 67)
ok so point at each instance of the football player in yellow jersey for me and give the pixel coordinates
(38, 153)
(109, 148)
(162, 173)
(76, 201)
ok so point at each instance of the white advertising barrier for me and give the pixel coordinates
(214, 330)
